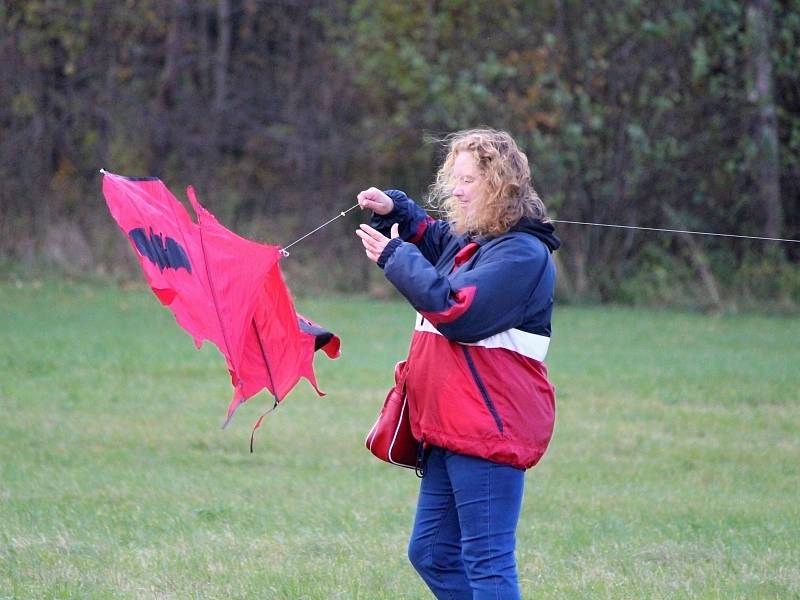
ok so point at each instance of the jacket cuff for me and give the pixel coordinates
(390, 249)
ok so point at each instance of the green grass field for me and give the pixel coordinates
(674, 471)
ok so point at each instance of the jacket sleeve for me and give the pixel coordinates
(416, 227)
(508, 280)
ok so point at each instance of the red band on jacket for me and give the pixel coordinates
(465, 254)
(463, 299)
(418, 235)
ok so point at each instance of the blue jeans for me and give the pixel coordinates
(465, 527)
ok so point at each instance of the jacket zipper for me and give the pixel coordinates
(482, 388)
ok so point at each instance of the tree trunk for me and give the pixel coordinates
(166, 99)
(766, 165)
(700, 263)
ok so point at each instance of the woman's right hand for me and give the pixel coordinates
(376, 201)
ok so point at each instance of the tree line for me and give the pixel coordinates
(683, 115)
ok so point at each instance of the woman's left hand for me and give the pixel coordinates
(374, 241)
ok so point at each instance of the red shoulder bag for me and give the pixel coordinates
(390, 438)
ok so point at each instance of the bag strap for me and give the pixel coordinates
(422, 450)
(422, 457)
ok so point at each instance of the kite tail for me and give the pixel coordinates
(258, 424)
(271, 381)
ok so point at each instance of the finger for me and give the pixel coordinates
(364, 201)
(365, 237)
(368, 196)
(395, 232)
(370, 243)
(374, 233)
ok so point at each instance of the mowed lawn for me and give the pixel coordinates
(674, 471)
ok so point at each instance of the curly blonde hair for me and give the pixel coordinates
(507, 193)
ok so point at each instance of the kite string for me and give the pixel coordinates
(591, 224)
(313, 231)
(731, 235)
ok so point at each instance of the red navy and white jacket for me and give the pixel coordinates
(476, 380)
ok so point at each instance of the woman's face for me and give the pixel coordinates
(467, 182)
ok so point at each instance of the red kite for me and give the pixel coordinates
(220, 287)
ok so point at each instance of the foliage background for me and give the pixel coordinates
(683, 115)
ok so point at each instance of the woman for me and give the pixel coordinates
(482, 284)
